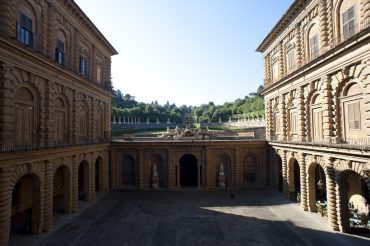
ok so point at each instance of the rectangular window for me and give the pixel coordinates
(59, 52)
(293, 122)
(98, 74)
(24, 30)
(354, 119)
(275, 70)
(83, 66)
(314, 47)
(317, 125)
(348, 23)
(277, 124)
(290, 59)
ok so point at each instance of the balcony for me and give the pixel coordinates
(343, 143)
(342, 38)
(15, 146)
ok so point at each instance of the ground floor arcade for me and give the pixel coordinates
(334, 184)
(37, 185)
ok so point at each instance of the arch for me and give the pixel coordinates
(84, 181)
(315, 117)
(250, 171)
(225, 161)
(158, 161)
(278, 173)
(99, 174)
(128, 171)
(62, 190)
(188, 171)
(294, 180)
(354, 191)
(84, 122)
(61, 120)
(339, 8)
(316, 179)
(312, 40)
(349, 110)
(25, 117)
(26, 205)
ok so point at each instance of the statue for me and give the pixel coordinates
(221, 177)
(155, 178)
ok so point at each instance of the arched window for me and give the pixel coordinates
(84, 66)
(348, 12)
(352, 110)
(290, 57)
(24, 117)
(26, 24)
(313, 42)
(99, 123)
(60, 121)
(316, 118)
(84, 123)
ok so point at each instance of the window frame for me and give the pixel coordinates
(24, 29)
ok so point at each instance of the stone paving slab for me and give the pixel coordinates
(194, 218)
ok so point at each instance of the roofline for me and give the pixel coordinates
(92, 25)
(292, 10)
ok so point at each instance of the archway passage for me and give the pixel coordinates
(316, 186)
(83, 180)
(355, 200)
(99, 174)
(188, 171)
(25, 205)
(128, 171)
(61, 190)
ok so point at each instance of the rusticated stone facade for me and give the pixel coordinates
(317, 106)
(244, 164)
(55, 107)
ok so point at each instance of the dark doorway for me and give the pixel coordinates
(188, 171)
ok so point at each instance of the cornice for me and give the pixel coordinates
(83, 18)
(281, 24)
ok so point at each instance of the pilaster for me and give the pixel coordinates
(365, 13)
(48, 196)
(51, 32)
(301, 115)
(283, 117)
(281, 60)
(299, 44)
(74, 184)
(285, 173)
(331, 193)
(141, 183)
(5, 206)
(302, 169)
(323, 26)
(327, 109)
(6, 104)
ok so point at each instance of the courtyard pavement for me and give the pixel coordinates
(191, 218)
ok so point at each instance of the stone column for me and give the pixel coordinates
(51, 41)
(47, 123)
(266, 68)
(323, 26)
(5, 206)
(282, 65)
(301, 115)
(198, 177)
(92, 177)
(141, 183)
(171, 170)
(365, 13)
(269, 127)
(285, 173)
(45, 28)
(283, 117)
(329, 13)
(74, 116)
(302, 169)
(327, 110)
(299, 45)
(74, 185)
(331, 193)
(76, 54)
(48, 196)
(6, 103)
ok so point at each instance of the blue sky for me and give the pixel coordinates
(186, 51)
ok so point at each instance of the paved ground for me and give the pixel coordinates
(192, 218)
